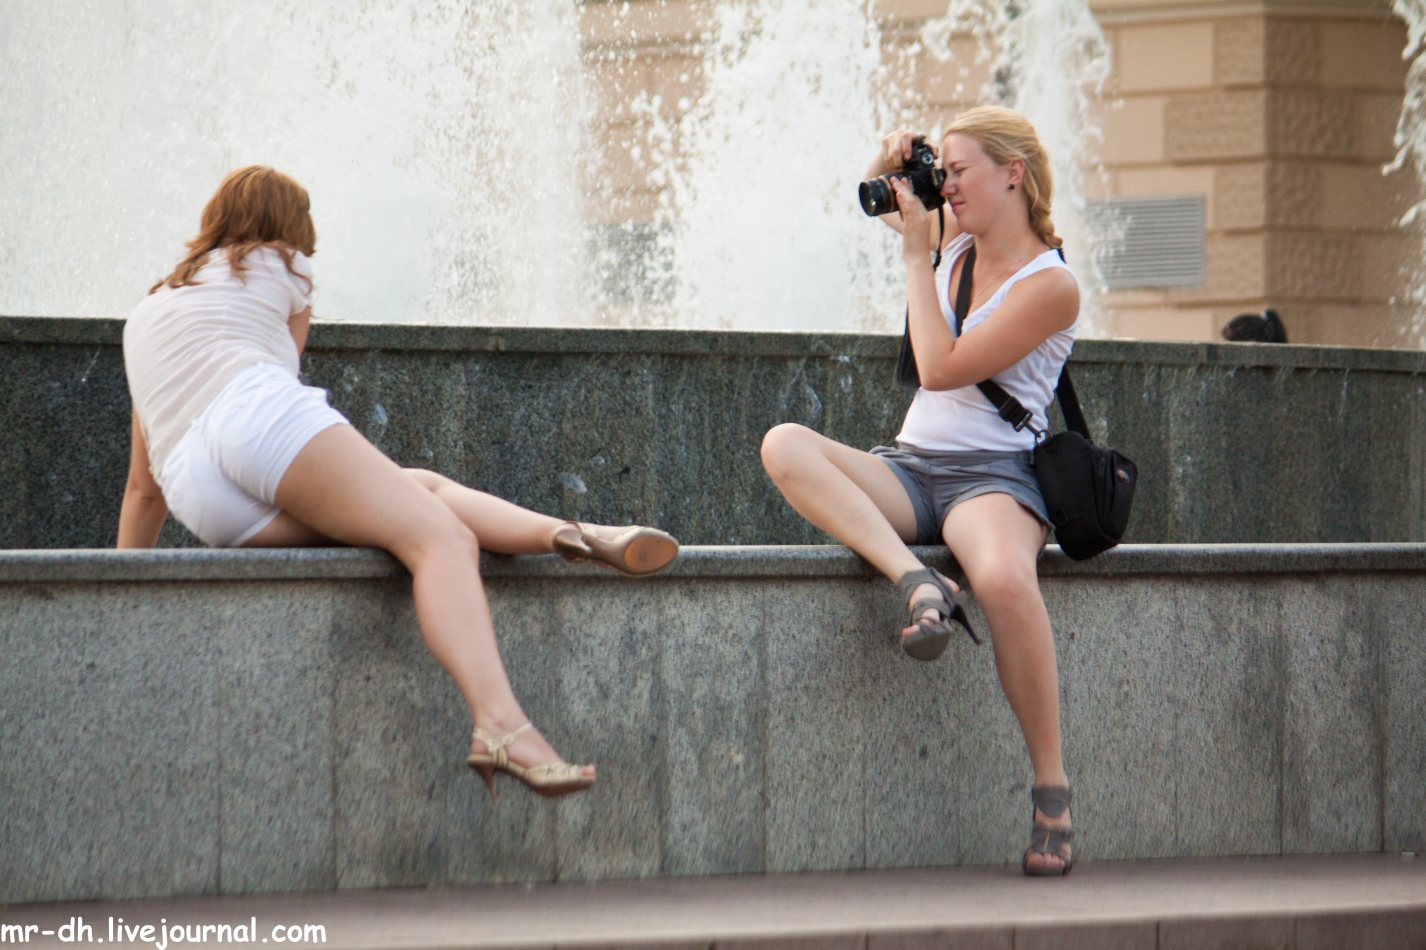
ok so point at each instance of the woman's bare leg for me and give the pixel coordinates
(997, 543)
(850, 494)
(342, 488)
(503, 527)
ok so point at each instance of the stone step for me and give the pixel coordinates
(1303, 902)
(194, 722)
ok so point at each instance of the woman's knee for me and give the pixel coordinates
(427, 479)
(1003, 582)
(444, 537)
(784, 446)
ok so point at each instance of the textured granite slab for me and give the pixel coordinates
(204, 722)
(1235, 442)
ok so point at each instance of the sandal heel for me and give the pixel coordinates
(634, 550)
(487, 772)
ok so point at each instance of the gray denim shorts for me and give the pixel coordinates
(938, 481)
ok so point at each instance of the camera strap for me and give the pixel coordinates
(1010, 408)
(906, 372)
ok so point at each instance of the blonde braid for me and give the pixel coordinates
(1039, 210)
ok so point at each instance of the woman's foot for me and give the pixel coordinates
(1051, 851)
(932, 603)
(521, 752)
(631, 550)
(925, 592)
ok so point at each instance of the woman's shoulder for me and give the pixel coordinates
(1052, 288)
(277, 252)
(281, 261)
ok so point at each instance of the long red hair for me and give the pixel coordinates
(254, 206)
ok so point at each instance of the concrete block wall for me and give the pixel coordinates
(206, 722)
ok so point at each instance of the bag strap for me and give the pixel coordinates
(1010, 408)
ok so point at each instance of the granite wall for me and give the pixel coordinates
(1235, 443)
(201, 722)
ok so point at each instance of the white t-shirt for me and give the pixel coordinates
(183, 344)
(963, 420)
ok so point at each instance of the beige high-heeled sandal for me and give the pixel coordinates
(551, 779)
(634, 550)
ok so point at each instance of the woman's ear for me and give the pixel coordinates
(1016, 168)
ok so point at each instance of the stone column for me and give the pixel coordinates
(1280, 113)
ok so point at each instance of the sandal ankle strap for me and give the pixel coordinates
(1051, 800)
(495, 748)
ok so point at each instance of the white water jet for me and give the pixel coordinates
(447, 147)
(1410, 141)
(762, 229)
(433, 138)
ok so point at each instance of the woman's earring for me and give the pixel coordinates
(1010, 187)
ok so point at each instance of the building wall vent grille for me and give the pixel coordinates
(1145, 243)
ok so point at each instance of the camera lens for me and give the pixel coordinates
(876, 197)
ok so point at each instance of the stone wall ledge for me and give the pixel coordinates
(409, 337)
(83, 565)
(183, 722)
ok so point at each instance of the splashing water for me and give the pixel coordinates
(447, 148)
(760, 226)
(430, 136)
(1410, 141)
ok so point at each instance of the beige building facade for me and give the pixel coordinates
(1253, 132)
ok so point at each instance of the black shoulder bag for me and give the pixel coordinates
(1088, 489)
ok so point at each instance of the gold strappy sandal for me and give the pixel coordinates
(634, 550)
(551, 779)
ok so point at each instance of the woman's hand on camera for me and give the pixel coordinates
(896, 148)
(894, 154)
(915, 222)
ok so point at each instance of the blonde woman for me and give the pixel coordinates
(226, 437)
(959, 473)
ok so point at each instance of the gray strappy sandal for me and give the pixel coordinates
(932, 635)
(1051, 800)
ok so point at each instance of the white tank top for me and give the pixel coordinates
(963, 420)
(183, 344)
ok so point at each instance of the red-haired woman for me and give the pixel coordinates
(227, 438)
(958, 472)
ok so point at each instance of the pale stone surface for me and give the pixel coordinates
(1163, 324)
(1375, 116)
(1240, 44)
(1240, 196)
(1311, 123)
(1237, 266)
(1218, 125)
(1322, 266)
(1167, 56)
(1363, 54)
(1135, 130)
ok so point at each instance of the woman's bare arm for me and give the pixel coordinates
(143, 511)
(298, 325)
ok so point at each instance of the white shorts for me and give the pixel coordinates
(221, 478)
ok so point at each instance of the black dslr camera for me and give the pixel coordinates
(920, 170)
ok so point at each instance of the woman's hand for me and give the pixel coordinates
(896, 150)
(915, 222)
(143, 510)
